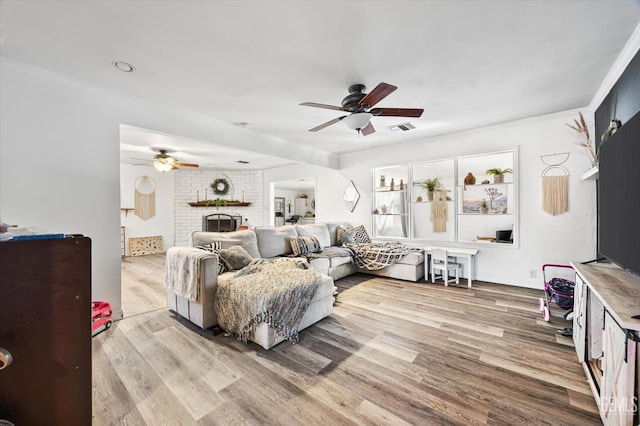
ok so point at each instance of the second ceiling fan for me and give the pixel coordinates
(360, 105)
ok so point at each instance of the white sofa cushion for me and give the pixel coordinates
(335, 261)
(318, 230)
(274, 241)
(412, 259)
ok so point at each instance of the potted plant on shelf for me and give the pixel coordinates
(498, 174)
(484, 206)
(382, 181)
(431, 185)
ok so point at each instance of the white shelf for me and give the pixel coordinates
(590, 174)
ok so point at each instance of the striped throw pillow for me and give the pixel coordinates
(215, 247)
(304, 245)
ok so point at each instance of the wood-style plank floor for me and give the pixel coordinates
(392, 352)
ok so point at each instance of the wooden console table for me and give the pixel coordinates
(606, 338)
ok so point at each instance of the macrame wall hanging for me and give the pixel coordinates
(555, 188)
(145, 197)
(439, 216)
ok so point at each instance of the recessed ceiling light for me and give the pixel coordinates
(123, 66)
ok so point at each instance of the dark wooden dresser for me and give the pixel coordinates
(45, 324)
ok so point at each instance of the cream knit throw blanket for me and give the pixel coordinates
(182, 271)
(555, 197)
(275, 291)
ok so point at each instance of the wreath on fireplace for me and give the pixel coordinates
(220, 186)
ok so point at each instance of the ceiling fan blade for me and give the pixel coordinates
(397, 112)
(327, 124)
(325, 106)
(367, 130)
(179, 164)
(379, 92)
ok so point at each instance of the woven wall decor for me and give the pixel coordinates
(145, 197)
(555, 194)
(439, 216)
(555, 187)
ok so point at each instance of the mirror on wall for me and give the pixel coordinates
(351, 196)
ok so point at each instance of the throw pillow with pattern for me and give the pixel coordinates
(357, 235)
(304, 245)
(235, 257)
(215, 247)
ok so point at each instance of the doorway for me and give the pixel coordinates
(278, 211)
(292, 191)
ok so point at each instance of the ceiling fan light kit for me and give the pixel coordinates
(163, 162)
(360, 105)
(357, 121)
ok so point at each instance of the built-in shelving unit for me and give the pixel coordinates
(453, 211)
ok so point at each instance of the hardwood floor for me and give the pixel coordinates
(392, 352)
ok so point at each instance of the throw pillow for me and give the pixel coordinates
(339, 231)
(212, 246)
(304, 245)
(235, 257)
(355, 235)
(215, 247)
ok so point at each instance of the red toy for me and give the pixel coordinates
(100, 317)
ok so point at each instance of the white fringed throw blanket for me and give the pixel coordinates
(182, 271)
(374, 256)
(275, 291)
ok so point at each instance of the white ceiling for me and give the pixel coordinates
(467, 63)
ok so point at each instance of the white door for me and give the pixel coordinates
(579, 316)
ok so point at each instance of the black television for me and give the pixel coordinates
(619, 197)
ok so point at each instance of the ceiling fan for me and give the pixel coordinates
(163, 162)
(360, 105)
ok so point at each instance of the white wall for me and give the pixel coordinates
(542, 238)
(162, 223)
(60, 158)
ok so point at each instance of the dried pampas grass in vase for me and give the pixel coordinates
(581, 127)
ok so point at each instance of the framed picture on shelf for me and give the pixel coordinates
(475, 196)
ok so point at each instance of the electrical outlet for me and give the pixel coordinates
(533, 273)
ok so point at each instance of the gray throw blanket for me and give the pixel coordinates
(330, 252)
(374, 256)
(275, 291)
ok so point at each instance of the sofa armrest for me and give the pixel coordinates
(201, 313)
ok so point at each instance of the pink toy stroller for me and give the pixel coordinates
(558, 286)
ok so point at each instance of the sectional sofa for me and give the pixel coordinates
(270, 242)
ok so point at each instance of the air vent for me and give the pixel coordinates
(403, 127)
(243, 162)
